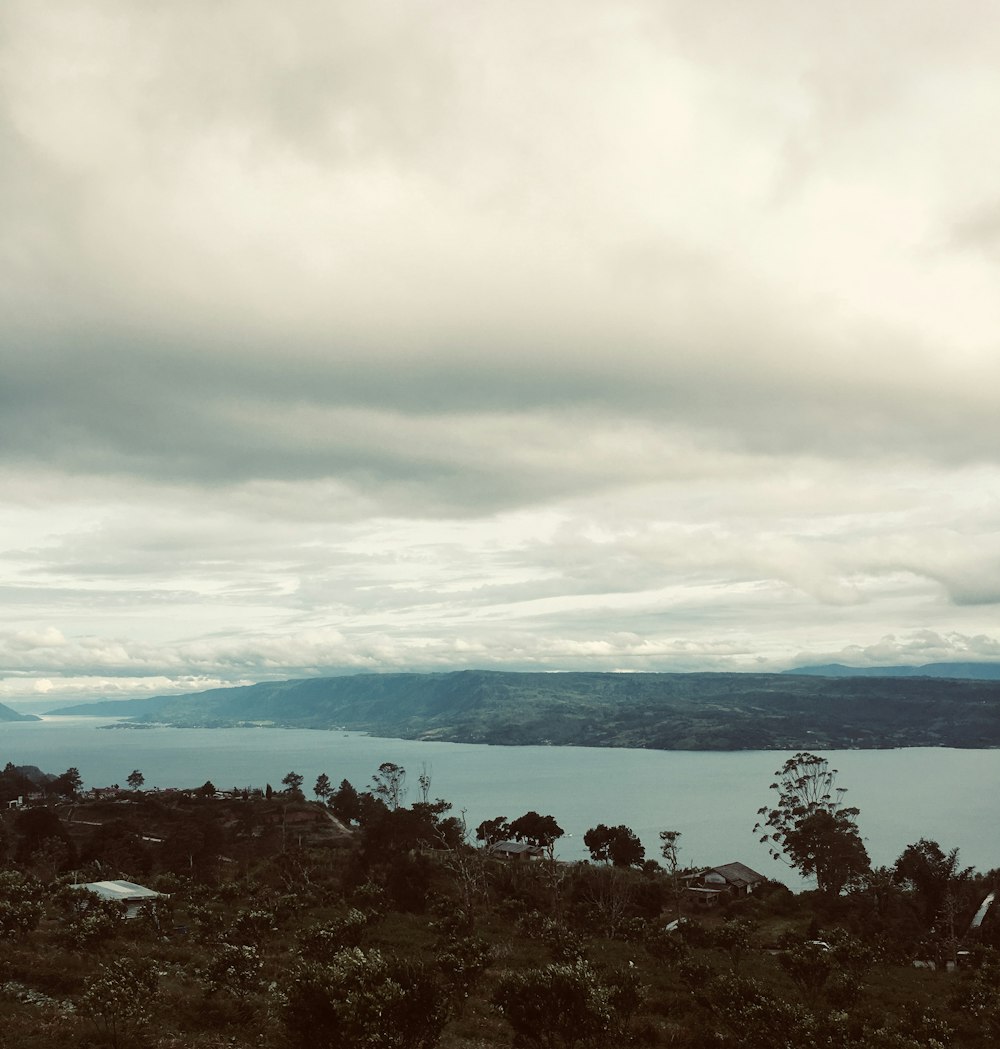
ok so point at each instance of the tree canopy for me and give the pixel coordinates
(619, 845)
(536, 829)
(810, 827)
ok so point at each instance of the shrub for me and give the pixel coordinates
(234, 968)
(362, 1000)
(564, 1005)
(117, 1001)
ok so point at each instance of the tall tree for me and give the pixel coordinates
(69, 784)
(293, 783)
(345, 802)
(323, 789)
(670, 851)
(810, 827)
(389, 784)
(135, 779)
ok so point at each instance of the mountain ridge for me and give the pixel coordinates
(969, 671)
(698, 711)
(6, 714)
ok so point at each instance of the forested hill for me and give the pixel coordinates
(658, 711)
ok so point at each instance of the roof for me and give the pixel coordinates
(124, 891)
(512, 848)
(738, 874)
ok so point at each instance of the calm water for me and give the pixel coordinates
(950, 796)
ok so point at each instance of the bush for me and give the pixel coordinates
(20, 905)
(565, 1005)
(321, 942)
(362, 1000)
(233, 968)
(117, 1001)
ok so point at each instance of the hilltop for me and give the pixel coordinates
(6, 714)
(655, 711)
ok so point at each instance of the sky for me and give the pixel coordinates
(580, 335)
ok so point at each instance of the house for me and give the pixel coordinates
(134, 897)
(518, 851)
(727, 881)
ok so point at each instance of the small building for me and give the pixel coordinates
(727, 881)
(518, 851)
(134, 897)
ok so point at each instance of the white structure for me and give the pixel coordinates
(133, 896)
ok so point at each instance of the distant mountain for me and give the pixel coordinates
(961, 671)
(658, 711)
(6, 714)
(117, 708)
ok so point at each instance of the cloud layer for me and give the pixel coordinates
(642, 336)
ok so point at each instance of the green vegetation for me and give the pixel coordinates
(657, 711)
(358, 921)
(811, 826)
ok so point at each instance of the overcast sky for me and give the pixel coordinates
(617, 336)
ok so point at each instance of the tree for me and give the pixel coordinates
(489, 832)
(536, 830)
(322, 790)
(424, 780)
(345, 802)
(135, 779)
(69, 784)
(810, 826)
(293, 783)
(389, 784)
(616, 845)
(669, 850)
(930, 873)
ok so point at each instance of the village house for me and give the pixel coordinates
(134, 897)
(727, 881)
(517, 851)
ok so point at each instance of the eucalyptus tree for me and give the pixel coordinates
(810, 827)
(389, 784)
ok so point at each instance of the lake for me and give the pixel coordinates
(712, 798)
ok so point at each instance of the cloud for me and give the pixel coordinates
(916, 649)
(356, 336)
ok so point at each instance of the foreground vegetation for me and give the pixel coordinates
(658, 711)
(358, 920)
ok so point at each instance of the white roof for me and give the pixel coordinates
(120, 890)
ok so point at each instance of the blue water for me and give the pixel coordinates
(711, 798)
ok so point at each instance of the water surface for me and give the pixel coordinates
(711, 798)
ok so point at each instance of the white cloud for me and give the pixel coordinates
(648, 335)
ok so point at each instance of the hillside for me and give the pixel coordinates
(656, 711)
(6, 714)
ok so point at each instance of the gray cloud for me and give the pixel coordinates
(353, 336)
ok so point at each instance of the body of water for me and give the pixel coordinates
(712, 798)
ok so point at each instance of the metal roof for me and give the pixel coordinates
(737, 873)
(120, 890)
